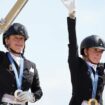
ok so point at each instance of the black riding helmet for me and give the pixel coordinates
(92, 41)
(15, 29)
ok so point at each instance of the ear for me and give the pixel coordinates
(6, 41)
(85, 52)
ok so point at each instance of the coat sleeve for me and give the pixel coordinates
(73, 48)
(2, 57)
(36, 88)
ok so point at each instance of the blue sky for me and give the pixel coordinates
(45, 21)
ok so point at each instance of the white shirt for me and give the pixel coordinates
(94, 66)
(16, 58)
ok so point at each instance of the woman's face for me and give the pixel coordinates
(16, 42)
(93, 54)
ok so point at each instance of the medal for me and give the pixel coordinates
(17, 92)
(93, 102)
(90, 102)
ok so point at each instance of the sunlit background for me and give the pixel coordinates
(47, 46)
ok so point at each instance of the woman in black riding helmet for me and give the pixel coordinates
(17, 74)
(87, 73)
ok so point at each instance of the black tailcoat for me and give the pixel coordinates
(80, 76)
(30, 78)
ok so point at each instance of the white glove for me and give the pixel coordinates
(24, 96)
(70, 5)
(84, 103)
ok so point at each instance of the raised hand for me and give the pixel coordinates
(70, 5)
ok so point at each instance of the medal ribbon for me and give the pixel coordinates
(94, 78)
(18, 77)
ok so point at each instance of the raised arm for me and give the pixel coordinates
(73, 60)
(71, 22)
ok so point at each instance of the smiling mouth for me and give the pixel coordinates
(19, 45)
(97, 58)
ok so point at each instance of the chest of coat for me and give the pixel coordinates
(85, 81)
(8, 78)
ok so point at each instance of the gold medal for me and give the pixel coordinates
(93, 102)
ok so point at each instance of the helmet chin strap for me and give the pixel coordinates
(87, 59)
(91, 61)
(15, 52)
